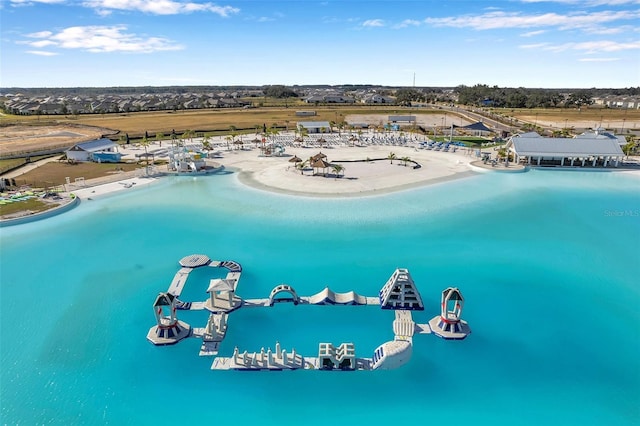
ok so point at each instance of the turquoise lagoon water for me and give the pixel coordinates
(548, 263)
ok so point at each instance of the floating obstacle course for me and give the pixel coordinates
(399, 294)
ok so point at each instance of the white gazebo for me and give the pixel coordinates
(222, 295)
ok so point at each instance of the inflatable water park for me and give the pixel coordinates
(399, 294)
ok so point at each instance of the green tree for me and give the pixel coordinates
(279, 91)
(391, 157)
(160, 137)
(406, 96)
(302, 165)
(206, 143)
(405, 160)
(145, 143)
(337, 169)
(629, 148)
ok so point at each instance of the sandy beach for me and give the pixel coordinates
(359, 177)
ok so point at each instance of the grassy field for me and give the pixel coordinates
(211, 120)
(12, 163)
(249, 120)
(55, 173)
(34, 205)
(619, 120)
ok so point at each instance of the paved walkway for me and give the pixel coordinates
(28, 167)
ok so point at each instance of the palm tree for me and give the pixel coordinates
(337, 169)
(145, 143)
(391, 157)
(160, 137)
(228, 139)
(206, 143)
(302, 166)
(405, 160)
(274, 130)
(188, 134)
(303, 131)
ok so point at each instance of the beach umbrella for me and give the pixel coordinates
(318, 156)
(295, 159)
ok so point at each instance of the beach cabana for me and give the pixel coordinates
(321, 164)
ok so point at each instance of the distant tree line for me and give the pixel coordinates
(278, 91)
(503, 97)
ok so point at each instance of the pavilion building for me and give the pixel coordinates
(585, 150)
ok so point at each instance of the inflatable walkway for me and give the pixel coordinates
(329, 297)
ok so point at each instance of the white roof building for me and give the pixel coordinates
(579, 151)
(86, 151)
(315, 126)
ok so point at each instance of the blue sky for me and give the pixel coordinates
(508, 43)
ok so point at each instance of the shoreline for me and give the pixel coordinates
(366, 171)
(247, 178)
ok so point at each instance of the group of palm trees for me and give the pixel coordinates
(392, 156)
(317, 162)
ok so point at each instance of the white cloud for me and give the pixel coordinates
(100, 39)
(540, 46)
(501, 20)
(532, 33)
(40, 34)
(42, 43)
(590, 47)
(409, 23)
(31, 2)
(588, 3)
(598, 59)
(596, 46)
(41, 53)
(160, 7)
(373, 23)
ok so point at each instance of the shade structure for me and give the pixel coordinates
(295, 159)
(478, 126)
(218, 284)
(320, 164)
(317, 157)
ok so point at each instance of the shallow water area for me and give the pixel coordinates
(547, 261)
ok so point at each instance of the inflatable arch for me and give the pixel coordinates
(283, 288)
